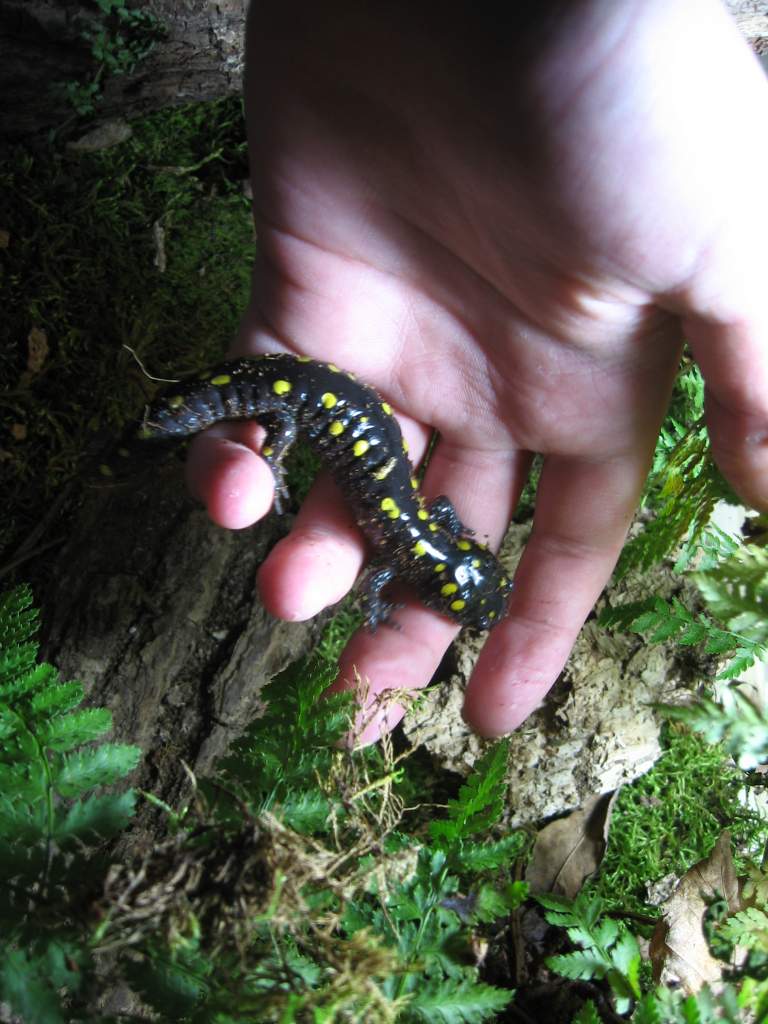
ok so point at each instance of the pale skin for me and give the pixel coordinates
(511, 251)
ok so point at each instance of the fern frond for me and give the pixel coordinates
(587, 1014)
(65, 732)
(735, 721)
(683, 489)
(477, 857)
(458, 1002)
(92, 767)
(607, 950)
(18, 619)
(661, 620)
(480, 802)
(736, 591)
(747, 928)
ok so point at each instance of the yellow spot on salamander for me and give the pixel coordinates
(282, 387)
(414, 483)
(360, 447)
(434, 527)
(336, 428)
(457, 605)
(448, 589)
(267, 450)
(334, 368)
(440, 567)
(389, 505)
(475, 563)
(422, 513)
(303, 359)
(175, 401)
(363, 419)
(328, 400)
(383, 472)
(463, 545)
(502, 581)
(491, 615)
(223, 378)
(387, 408)
(419, 549)
(405, 446)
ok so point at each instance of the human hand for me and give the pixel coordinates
(509, 243)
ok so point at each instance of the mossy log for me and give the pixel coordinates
(44, 47)
(154, 609)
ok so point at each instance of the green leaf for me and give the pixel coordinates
(647, 1011)
(587, 1014)
(55, 697)
(69, 731)
(100, 766)
(24, 986)
(172, 987)
(579, 964)
(98, 817)
(480, 802)
(18, 619)
(736, 591)
(458, 1002)
(475, 857)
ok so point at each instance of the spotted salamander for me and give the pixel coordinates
(355, 433)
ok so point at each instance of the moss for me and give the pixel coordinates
(80, 265)
(669, 819)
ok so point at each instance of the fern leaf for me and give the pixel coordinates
(578, 965)
(14, 662)
(475, 858)
(587, 1014)
(648, 1011)
(26, 988)
(735, 721)
(462, 1002)
(18, 619)
(480, 802)
(736, 591)
(73, 730)
(55, 698)
(100, 766)
(747, 928)
(663, 620)
(173, 987)
(98, 817)
(683, 488)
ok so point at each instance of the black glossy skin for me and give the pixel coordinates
(355, 433)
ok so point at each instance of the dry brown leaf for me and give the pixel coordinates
(19, 431)
(37, 349)
(569, 850)
(679, 951)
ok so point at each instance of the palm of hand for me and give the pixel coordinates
(517, 296)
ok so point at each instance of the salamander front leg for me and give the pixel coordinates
(442, 511)
(375, 607)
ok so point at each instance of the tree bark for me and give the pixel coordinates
(42, 45)
(154, 610)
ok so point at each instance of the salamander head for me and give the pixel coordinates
(473, 586)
